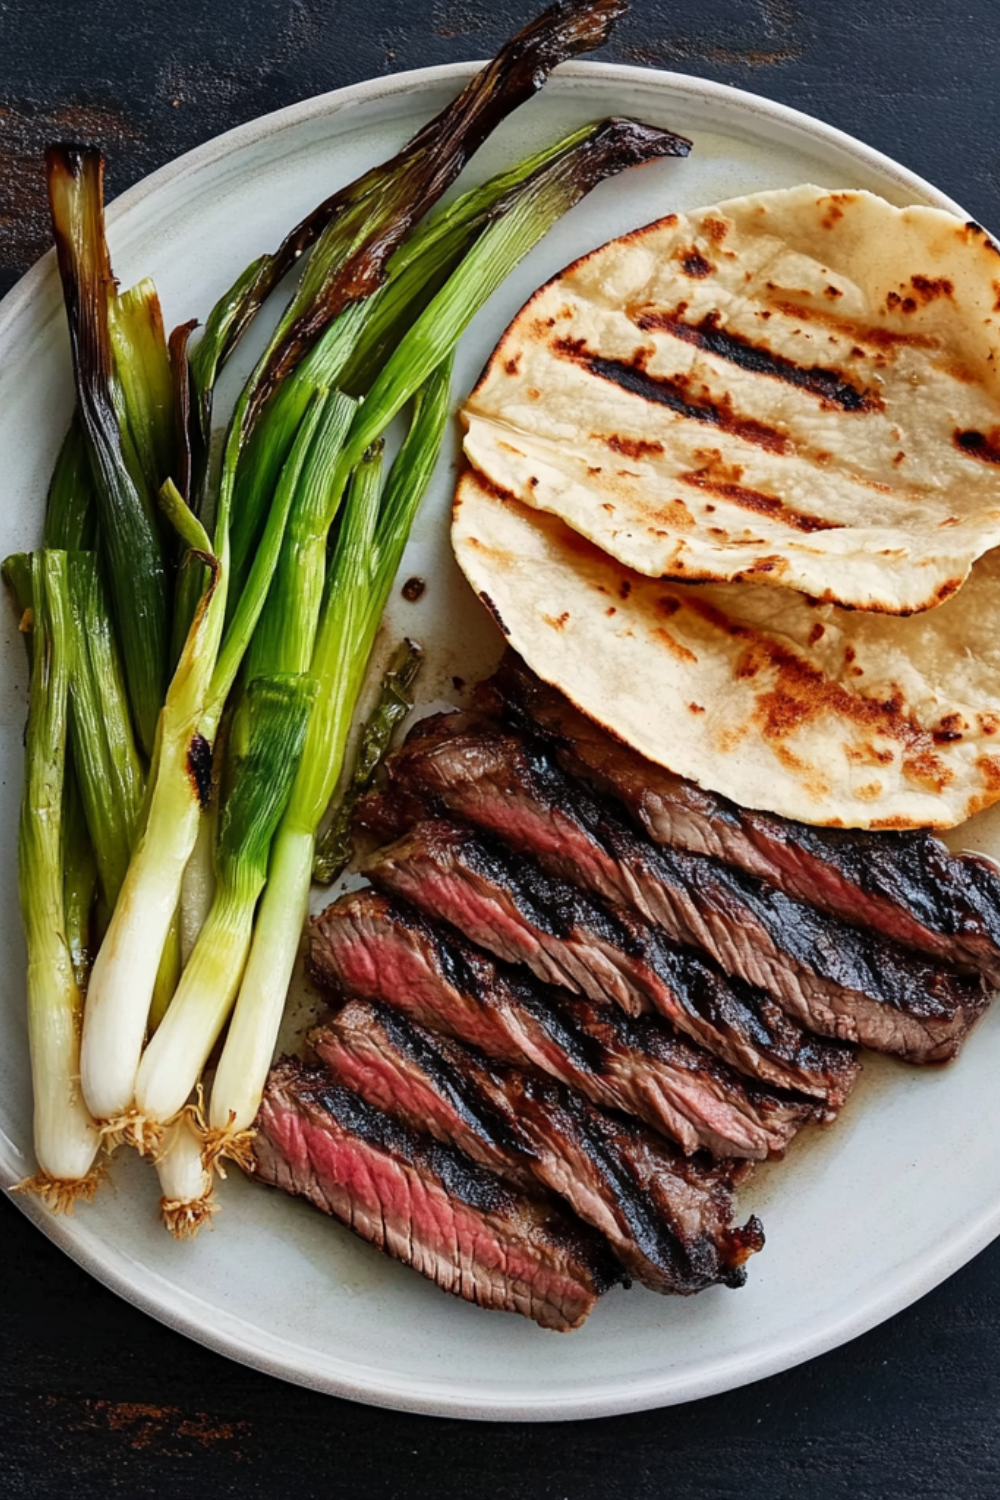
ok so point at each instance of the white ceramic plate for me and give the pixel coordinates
(860, 1220)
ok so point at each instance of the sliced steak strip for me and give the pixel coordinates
(426, 1204)
(509, 905)
(668, 1219)
(367, 945)
(838, 979)
(907, 885)
(417, 1076)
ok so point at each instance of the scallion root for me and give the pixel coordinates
(228, 1144)
(132, 1128)
(185, 1216)
(62, 1194)
(187, 1202)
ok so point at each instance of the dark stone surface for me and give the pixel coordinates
(96, 1399)
(153, 79)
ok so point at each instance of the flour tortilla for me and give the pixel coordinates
(833, 716)
(798, 388)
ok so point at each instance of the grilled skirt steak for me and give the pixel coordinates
(367, 945)
(907, 885)
(836, 979)
(426, 1204)
(428, 1081)
(508, 903)
(668, 1219)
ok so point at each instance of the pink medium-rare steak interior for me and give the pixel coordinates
(370, 946)
(668, 1219)
(424, 1204)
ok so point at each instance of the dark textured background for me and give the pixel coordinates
(97, 1400)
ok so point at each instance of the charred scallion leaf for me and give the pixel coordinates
(516, 223)
(336, 848)
(356, 232)
(355, 235)
(108, 769)
(354, 347)
(70, 510)
(370, 217)
(427, 258)
(129, 534)
(189, 476)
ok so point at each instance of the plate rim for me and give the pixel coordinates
(112, 1268)
(413, 80)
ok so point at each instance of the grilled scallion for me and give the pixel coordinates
(202, 621)
(66, 1139)
(373, 533)
(129, 533)
(273, 725)
(335, 848)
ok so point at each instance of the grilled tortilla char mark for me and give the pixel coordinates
(509, 905)
(378, 949)
(908, 886)
(685, 397)
(426, 1204)
(835, 978)
(668, 1220)
(832, 387)
(675, 392)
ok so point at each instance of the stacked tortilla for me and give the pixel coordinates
(734, 486)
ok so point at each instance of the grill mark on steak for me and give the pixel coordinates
(426, 1204)
(669, 1221)
(366, 945)
(509, 905)
(835, 978)
(407, 1072)
(669, 1218)
(906, 885)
